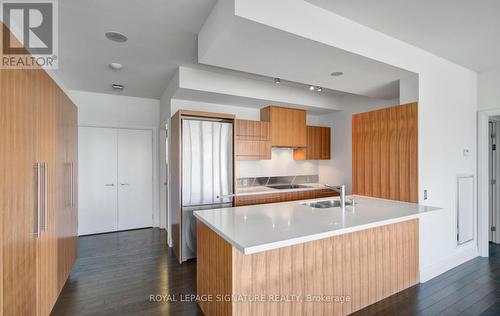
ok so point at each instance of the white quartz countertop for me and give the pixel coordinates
(263, 227)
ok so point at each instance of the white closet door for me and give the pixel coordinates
(97, 187)
(135, 179)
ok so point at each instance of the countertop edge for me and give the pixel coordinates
(304, 239)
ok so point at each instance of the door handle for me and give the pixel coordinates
(109, 185)
(36, 168)
(123, 184)
(45, 167)
(71, 185)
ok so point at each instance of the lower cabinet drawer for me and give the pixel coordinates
(283, 197)
(257, 199)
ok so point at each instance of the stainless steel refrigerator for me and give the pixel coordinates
(207, 172)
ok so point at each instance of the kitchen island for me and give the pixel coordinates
(293, 259)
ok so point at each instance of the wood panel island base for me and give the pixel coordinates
(334, 275)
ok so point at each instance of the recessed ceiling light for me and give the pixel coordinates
(116, 37)
(336, 73)
(116, 66)
(311, 87)
(117, 86)
(319, 89)
(277, 80)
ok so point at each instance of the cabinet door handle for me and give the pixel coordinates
(36, 167)
(68, 170)
(71, 186)
(45, 167)
(109, 185)
(124, 184)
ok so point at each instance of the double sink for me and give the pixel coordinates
(323, 204)
(314, 204)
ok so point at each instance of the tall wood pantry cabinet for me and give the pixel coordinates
(38, 184)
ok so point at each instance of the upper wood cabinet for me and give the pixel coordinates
(318, 145)
(252, 140)
(288, 126)
(251, 130)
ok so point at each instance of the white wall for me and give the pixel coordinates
(489, 89)
(338, 170)
(107, 110)
(163, 159)
(115, 110)
(408, 90)
(447, 113)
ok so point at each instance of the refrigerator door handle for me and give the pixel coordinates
(221, 197)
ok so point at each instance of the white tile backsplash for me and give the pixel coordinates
(281, 164)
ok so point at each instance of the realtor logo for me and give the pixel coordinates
(29, 36)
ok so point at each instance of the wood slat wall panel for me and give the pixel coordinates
(385, 153)
(214, 266)
(361, 265)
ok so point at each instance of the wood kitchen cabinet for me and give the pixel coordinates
(38, 237)
(318, 145)
(18, 268)
(283, 197)
(288, 126)
(252, 140)
(67, 175)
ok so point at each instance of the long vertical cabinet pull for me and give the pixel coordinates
(37, 200)
(43, 189)
(71, 193)
(45, 196)
(72, 184)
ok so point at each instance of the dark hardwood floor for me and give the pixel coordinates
(116, 273)
(472, 288)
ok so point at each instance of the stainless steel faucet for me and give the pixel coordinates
(340, 188)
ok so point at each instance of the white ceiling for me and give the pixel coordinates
(229, 41)
(162, 35)
(464, 31)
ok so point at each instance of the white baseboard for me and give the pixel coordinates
(448, 263)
